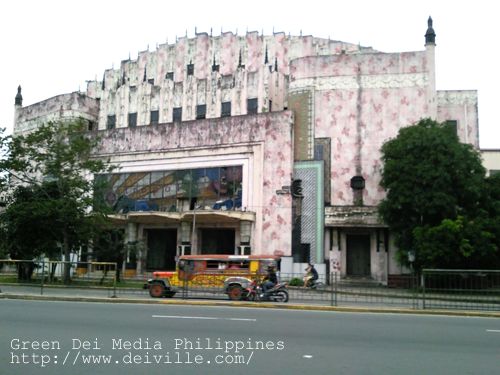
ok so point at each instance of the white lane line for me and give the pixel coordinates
(308, 356)
(243, 319)
(493, 330)
(202, 318)
(184, 317)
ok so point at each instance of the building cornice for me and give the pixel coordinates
(352, 216)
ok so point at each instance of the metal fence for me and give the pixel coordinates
(46, 273)
(461, 289)
(433, 289)
(333, 291)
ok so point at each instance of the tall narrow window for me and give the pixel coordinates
(225, 109)
(111, 124)
(190, 69)
(453, 126)
(177, 114)
(155, 117)
(318, 151)
(201, 111)
(132, 120)
(252, 106)
(170, 76)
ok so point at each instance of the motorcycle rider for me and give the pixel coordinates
(311, 276)
(270, 280)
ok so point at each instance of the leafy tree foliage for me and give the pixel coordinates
(439, 204)
(49, 207)
(109, 246)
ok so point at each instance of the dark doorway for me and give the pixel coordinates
(358, 255)
(161, 249)
(217, 241)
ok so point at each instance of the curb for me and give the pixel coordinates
(262, 305)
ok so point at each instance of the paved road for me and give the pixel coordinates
(266, 341)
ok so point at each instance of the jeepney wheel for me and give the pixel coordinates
(235, 292)
(156, 290)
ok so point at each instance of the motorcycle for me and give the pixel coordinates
(278, 293)
(313, 284)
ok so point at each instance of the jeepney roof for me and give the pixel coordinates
(228, 257)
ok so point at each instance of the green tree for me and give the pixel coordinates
(109, 246)
(437, 197)
(52, 194)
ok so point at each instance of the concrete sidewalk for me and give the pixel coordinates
(138, 296)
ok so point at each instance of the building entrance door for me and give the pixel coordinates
(358, 255)
(217, 241)
(161, 249)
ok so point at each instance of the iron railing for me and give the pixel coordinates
(45, 273)
(460, 289)
(433, 289)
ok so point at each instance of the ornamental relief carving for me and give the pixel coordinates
(368, 81)
(456, 97)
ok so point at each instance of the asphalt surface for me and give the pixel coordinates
(47, 337)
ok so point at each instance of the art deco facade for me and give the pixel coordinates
(261, 144)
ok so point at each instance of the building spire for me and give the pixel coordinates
(19, 97)
(430, 35)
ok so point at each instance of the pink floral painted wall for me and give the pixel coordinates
(460, 106)
(362, 100)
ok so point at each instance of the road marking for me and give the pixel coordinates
(308, 356)
(493, 330)
(242, 319)
(203, 318)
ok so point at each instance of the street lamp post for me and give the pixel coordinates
(411, 259)
(193, 229)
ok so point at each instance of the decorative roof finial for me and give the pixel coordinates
(19, 97)
(430, 35)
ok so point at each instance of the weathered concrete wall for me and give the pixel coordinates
(262, 143)
(491, 160)
(460, 106)
(61, 107)
(360, 101)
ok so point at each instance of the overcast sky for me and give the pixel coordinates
(52, 47)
